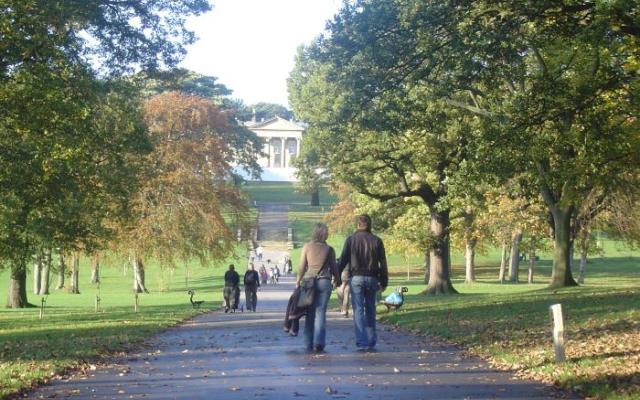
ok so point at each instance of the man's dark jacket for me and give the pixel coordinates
(364, 252)
(231, 278)
(255, 282)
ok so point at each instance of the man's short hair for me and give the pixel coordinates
(364, 222)
(231, 267)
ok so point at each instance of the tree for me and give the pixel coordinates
(554, 85)
(57, 190)
(310, 172)
(265, 111)
(187, 204)
(243, 142)
(66, 136)
(387, 141)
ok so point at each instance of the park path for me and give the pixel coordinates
(248, 356)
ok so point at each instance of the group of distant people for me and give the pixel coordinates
(358, 275)
(269, 274)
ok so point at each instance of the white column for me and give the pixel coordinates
(283, 152)
(269, 152)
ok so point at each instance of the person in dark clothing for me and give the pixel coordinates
(251, 284)
(231, 291)
(364, 253)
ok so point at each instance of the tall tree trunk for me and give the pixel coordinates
(532, 264)
(37, 271)
(584, 252)
(470, 261)
(503, 261)
(45, 273)
(17, 294)
(514, 261)
(427, 266)
(315, 197)
(95, 269)
(75, 274)
(469, 247)
(440, 273)
(138, 276)
(561, 271)
(62, 269)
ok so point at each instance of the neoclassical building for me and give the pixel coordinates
(282, 139)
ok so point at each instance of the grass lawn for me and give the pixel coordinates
(284, 192)
(72, 334)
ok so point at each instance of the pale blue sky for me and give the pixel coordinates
(250, 44)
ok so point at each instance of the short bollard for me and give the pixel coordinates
(135, 307)
(555, 312)
(43, 301)
(97, 303)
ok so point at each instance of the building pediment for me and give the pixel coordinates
(276, 124)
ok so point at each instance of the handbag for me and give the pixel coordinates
(307, 292)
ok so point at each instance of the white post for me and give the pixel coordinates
(298, 147)
(555, 311)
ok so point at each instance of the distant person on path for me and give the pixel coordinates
(264, 277)
(277, 273)
(251, 284)
(259, 252)
(272, 276)
(231, 291)
(364, 252)
(344, 293)
(318, 263)
(289, 266)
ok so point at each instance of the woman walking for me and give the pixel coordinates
(318, 263)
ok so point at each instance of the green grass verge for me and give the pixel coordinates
(284, 192)
(72, 334)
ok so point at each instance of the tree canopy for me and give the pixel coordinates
(407, 96)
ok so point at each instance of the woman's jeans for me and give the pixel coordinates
(363, 298)
(315, 324)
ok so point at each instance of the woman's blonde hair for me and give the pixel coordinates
(320, 233)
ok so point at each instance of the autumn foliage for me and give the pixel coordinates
(186, 206)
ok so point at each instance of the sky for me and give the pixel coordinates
(250, 45)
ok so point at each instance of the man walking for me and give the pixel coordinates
(251, 283)
(364, 252)
(231, 291)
